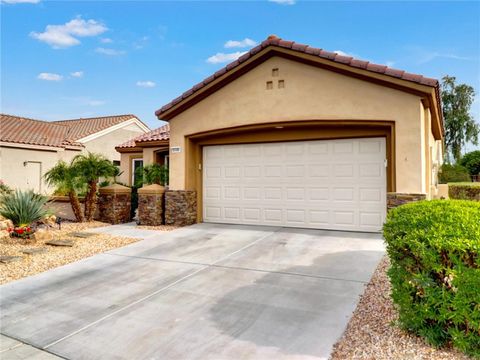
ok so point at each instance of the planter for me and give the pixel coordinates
(22, 232)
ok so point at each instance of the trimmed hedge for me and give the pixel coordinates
(434, 248)
(464, 191)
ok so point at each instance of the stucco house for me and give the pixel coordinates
(29, 148)
(297, 136)
(149, 148)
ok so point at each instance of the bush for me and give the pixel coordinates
(471, 161)
(453, 173)
(435, 270)
(152, 174)
(464, 191)
(23, 207)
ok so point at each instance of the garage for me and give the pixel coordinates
(321, 184)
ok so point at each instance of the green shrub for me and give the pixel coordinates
(464, 191)
(155, 174)
(23, 207)
(471, 161)
(453, 173)
(434, 248)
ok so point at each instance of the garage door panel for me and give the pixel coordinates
(334, 184)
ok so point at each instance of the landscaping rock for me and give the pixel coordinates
(34, 251)
(8, 259)
(81, 234)
(43, 235)
(61, 243)
(5, 224)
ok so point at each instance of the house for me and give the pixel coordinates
(29, 148)
(291, 135)
(149, 148)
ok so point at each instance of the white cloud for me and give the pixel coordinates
(146, 84)
(223, 58)
(19, 1)
(109, 52)
(343, 53)
(77, 74)
(240, 44)
(106, 40)
(284, 2)
(390, 63)
(63, 36)
(49, 76)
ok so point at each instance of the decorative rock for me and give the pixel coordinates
(5, 224)
(397, 199)
(34, 251)
(43, 235)
(180, 207)
(4, 235)
(114, 204)
(81, 234)
(68, 243)
(8, 259)
(50, 220)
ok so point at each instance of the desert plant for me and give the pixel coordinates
(91, 167)
(4, 188)
(23, 207)
(471, 161)
(155, 174)
(67, 181)
(116, 174)
(464, 191)
(453, 173)
(435, 270)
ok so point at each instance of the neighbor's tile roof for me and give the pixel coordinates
(160, 134)
(62, 133)
(80, 128)
(275, 41)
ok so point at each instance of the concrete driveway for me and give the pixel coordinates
(206, 291)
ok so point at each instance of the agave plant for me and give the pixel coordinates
(23, 207)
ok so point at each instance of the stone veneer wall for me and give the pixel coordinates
(180, 207)
(397, 199)
(151, 205)
(114, 204)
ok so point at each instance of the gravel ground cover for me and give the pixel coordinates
(159, 227)
(55, 255)
(371, 333)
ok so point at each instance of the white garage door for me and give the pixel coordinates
(324, 184)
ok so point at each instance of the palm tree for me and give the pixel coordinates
(65, 179)
(91, 167)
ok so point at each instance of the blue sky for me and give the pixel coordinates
(69, 59)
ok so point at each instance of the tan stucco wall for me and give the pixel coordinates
(106, 144)
(17, 175)
(309, 93)
(126, 167)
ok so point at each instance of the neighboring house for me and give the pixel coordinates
(29, 148)
(149, 148)
(291, 135)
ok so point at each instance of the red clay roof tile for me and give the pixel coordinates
(160, 134)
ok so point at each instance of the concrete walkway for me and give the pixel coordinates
(207, 291)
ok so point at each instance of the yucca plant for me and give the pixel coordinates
(23, 207)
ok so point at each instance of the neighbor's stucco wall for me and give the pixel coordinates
(28, 177)
(105, 144)
(309, 93)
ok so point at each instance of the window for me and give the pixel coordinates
(136, 164)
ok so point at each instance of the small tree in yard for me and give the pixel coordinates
(471, 161)
(460, 127)
(91, 167)
(65, 178)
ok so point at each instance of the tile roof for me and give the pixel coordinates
(160, 134)
(16, 129)
(275, 41)
(80, 128)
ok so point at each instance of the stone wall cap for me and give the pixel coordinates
(151, 189)
(115, 189)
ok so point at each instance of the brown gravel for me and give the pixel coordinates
(371, 333)
(56, 256)
(159, 227)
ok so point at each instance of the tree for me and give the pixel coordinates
(460, 127)
(91, 167)
(64, 177)
(471, 161)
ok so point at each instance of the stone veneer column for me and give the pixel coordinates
(114, 204)
(150, 205)
(180, 207)
(397, 199)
